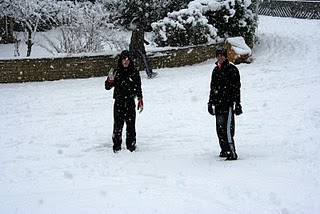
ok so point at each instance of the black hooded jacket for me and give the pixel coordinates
(137, 40)
(225, 85)
(127, 82)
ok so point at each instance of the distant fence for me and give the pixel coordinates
(44, 69)
(294, 9)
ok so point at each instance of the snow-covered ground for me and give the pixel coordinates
(56, 148)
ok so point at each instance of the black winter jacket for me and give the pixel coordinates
(225, 85)
(137, 40)
(127, 83)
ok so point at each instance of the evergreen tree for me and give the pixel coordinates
(149, 10)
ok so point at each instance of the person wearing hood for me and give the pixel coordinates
(126, 81)
(224, 102)
(136, 45)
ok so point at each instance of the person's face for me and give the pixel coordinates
(125, 62)
(220, 58)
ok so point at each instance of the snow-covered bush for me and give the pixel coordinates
(186, 27)
(223, 19)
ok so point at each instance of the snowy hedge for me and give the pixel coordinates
(207, 21)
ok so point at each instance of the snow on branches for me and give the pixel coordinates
(206, 21)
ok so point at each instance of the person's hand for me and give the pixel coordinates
(112, 73)
(211, 109)
(238, 109)
(140, 105)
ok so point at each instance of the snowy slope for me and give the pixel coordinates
(56, 154)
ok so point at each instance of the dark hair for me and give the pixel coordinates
(221, 51)
(125, 54)
(136, 21)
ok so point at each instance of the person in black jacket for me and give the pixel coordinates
(126, 81)
(224, 102)
(136, 45)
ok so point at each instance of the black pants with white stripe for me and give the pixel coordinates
(225, 127)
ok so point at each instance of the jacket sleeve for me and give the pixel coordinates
(236, 85)
(108, 84)
(137, 88)
(211, 95)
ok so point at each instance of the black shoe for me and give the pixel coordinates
(232, 156)
(223, 154)
(116, 149)
(131, 148)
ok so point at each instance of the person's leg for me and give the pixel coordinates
(130, 119)
(118, 115)
(146, 64)
(221, 128)
(232, 155)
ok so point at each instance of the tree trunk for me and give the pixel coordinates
(6, 24)
(29, 42)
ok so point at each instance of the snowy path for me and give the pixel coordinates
(56, 144)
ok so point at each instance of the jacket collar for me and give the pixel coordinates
(225, 63)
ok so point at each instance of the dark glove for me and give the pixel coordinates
(211, 109)
(238, 109)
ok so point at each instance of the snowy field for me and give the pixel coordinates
(56, 148)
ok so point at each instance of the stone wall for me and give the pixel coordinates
(46, 69)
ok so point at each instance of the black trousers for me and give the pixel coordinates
(124, 112)
(225, 127)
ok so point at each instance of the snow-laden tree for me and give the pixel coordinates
(29, 14)
(82, 29)
(207, 21)
(234, 18)
(6, 24)
(86, 27)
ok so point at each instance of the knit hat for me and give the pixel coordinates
(222, 52)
